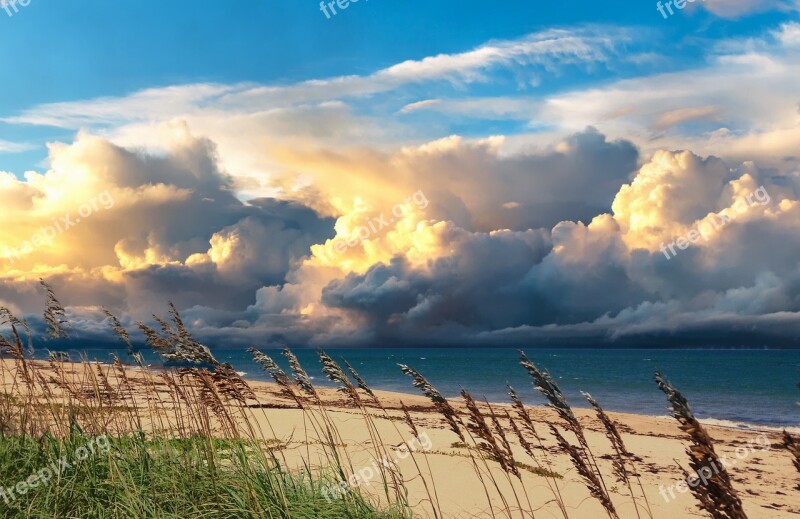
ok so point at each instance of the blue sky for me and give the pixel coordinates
(70, 51)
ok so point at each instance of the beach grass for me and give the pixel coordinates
(163, 478)
(195, 440)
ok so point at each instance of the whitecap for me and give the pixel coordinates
(730, 424)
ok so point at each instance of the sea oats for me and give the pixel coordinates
(120, 330)
(361, 383)
(192, 349)
(622, 456)
(439, 401)
(177, 344)
(54, 314)
(266, 363)
(409, 421)
(589, 476)
(717, 496)
(230, 384)
(477, 425)
(160, 345)
(336, 374)
(523, 414)
(612, 433)
(792, 444)
(548, 387)
(300, 375)
(544, 382)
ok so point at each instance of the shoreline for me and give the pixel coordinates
(710, 421)
(719, 423)
(737, 425)
(657, 443)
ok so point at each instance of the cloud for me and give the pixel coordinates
(789, 34)
(543, 48)
(738, 8)
(574, 267)
(149, 104)
(550, 50)
(605, 280)
(164, 222)
(482, 107)
(246, 120)
(471, 183)
(741, 104)
(177, 232)
(411, 107)
(14, 147)
(253, 207)
(682, 115)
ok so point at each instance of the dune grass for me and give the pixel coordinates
(195, 441)
(84, 440)
(163, 478)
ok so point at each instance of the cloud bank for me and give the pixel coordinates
(254, 207)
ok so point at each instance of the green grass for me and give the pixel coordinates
(198, 477)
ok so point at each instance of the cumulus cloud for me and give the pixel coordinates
(459, 263)
(166, 222)
(260, 223)
(472, 183)
(604, 281)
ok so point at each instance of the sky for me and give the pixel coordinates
(451, 173)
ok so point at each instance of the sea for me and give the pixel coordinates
(737, 388)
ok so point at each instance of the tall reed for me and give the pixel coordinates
(622, 458)
(582, 458)
(457, 426)
(717, 496)
(183, 441)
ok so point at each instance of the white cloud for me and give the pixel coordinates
(573, 265)
(789, 34)
(521, 108)
(551, 49)
(156, 104)
(14, 147)
(749, 88)
(737, 8)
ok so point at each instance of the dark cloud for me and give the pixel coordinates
(557, 268)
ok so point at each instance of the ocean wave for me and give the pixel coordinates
(730, 424)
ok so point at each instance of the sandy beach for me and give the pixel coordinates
(760, 468)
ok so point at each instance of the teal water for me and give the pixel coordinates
(754, 386)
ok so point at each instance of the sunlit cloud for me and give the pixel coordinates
(269, 210)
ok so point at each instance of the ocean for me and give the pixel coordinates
(738, 386)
